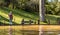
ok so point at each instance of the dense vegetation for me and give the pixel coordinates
(51, 12)
(52, 7)
(27, 5)
(26, 9)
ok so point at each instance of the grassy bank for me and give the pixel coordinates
(51, 18)
(18, 15)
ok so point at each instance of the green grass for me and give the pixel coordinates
(18, 15)
(52, 18)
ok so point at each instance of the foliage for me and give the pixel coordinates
(20, 4)
(52, 7)
(18, 15)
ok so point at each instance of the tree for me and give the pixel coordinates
(42, 11)
(7, 2)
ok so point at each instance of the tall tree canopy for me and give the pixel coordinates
(52, 7)
(30, 5)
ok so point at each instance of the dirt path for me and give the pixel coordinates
(34, 27)
(50, 27)
(28, 27)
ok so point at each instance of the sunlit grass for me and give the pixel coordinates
(18, 15)
(42, 23)
(51, 18)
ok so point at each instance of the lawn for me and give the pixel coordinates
(51, 18)
(19, 30)
(18, 15)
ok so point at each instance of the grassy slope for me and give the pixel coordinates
(52, 18)
(18, 15)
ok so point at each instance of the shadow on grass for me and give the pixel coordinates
(1, 23)
(21, 13)
(5, 19)
(51, 18)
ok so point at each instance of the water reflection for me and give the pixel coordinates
(51, 33)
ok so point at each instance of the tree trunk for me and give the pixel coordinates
(42, 11)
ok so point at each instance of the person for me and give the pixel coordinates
(10, 17)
